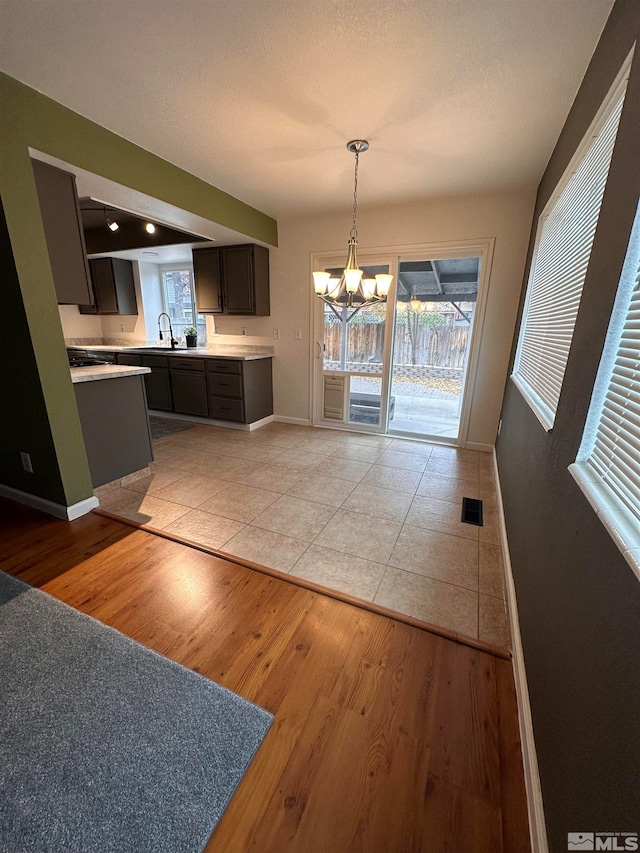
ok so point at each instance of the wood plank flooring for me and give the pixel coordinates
(386, 737)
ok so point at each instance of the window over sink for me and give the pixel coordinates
(179, 301)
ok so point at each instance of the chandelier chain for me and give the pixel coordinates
(354, 228)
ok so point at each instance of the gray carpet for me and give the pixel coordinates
(161, 427)
(105, 745)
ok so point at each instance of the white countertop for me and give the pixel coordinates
(248, 353)
(105, 371)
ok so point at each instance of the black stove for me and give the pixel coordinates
(84, 361)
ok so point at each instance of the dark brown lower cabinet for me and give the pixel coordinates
(158, 388)
(115, 426)
(219, 388)
(189, 392)
(240, 391)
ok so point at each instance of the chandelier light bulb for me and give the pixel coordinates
(352, 279)
(369, 287)
(383, 282)
(333, 286)
(321, 281)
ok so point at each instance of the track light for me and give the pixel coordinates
(150, 228)
(111, 223)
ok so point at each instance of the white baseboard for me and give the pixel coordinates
(476, 445)
(283, 419)
(68, 513)
(535, 805)
(262, 422)
(195, 419)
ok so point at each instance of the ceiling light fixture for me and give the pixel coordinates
(150, 228)
(351, 290)
(111, 223)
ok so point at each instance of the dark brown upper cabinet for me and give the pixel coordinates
(232, 280)
(63, 232)
(113, 287)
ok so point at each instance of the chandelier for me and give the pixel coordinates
(351, 291)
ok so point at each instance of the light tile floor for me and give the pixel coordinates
(370, 516)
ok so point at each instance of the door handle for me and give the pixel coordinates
(320, 349)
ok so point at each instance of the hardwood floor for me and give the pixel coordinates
(386, 737)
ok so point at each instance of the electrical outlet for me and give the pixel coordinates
(297, 335)
(26, 462)
(121, 327)
(276, 334)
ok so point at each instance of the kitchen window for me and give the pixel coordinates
(179, 301)
(565, 235)
(607, 467)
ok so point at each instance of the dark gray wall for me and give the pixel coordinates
(578, 600)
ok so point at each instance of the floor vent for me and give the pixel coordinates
(472, 511)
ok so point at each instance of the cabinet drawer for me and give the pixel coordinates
(154, 361)
(223, 365)
(128, 358)
(224, 409)
(225, 385)
(186, 364)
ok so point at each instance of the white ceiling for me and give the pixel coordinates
(259, 97)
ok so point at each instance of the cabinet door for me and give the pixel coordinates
(63, 231)
(208, 284)
(104, 286)
(237, 272)
(189, 393)
(158, 389)
(124, 286)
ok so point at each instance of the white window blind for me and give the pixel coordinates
(616, 450)
(563, 245)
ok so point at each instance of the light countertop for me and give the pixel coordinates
(248, 353)
(105, 371)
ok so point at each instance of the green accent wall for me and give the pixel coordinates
(30, 119)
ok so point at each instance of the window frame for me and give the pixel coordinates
(536, 286)
(622, 524)
(198, 319)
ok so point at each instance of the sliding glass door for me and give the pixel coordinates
(402, 367)
(433, 320)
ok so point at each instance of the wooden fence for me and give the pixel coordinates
(440, 346)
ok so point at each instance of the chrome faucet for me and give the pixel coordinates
(171, 338)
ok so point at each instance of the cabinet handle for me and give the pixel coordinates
(225, 409)
(224, 384)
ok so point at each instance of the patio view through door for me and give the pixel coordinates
(401, 367)
(434, 312)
